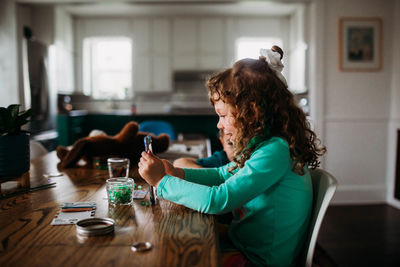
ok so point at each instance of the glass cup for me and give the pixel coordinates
(118, 167)
(120, 190)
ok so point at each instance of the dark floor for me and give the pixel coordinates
(366, 235)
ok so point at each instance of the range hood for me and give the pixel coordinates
(191, 82)
(190, 91)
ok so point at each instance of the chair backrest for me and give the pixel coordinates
(158, 127)
(324, 187)
(36, 149)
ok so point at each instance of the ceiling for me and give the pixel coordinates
(177, 7)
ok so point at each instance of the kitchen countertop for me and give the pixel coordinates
(127, 112)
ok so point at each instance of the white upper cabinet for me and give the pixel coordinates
(163, 45)
(161, 32)
(184, 39)
(141, 55)
(184, 36)
(162, 81)
(198, 43)
(211, 43)
(152, 60)
(141, 36)
(181, 62)
(211, 36)
(141, 74)
(211, 62)
(161, 55)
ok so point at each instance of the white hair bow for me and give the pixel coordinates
(274, 60)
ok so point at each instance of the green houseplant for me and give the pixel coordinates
(14, 142)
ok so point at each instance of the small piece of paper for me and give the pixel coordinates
(139, 194)
(78, 205)
(64, 218)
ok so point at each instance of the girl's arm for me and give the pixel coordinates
(206, 176)
(154, 170)
(197, 175)
(186, 163)
(264, 169)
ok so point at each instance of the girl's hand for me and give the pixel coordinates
(174, 171)
(151, 168)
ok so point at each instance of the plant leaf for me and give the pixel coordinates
(11, 119)
(3, 118)
(25, 114)
(14, 110)
(23, 117)
(7, 121)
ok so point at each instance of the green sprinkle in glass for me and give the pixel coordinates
(119, 190)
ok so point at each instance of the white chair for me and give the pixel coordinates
(36, 149)
(324, 186)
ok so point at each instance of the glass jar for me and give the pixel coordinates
(120, 190)
(118, 167)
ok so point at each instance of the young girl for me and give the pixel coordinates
(267, 187)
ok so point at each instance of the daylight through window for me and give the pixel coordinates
(107, 67)
(249, 47)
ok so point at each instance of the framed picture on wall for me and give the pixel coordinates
(360, 44)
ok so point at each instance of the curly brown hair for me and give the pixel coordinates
(264, 107)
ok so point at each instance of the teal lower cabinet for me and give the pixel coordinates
(71, 127)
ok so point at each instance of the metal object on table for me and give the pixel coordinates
(19, 191)
(141, 246)
(53, 174)
(149, 147)
(95, 226)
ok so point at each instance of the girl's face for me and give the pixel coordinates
(226, 121)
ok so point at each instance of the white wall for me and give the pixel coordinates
(64, 55)
(39, 20)
(8, 54)
(357, 107)
(42, 23)
(297, 52)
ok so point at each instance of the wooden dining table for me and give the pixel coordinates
(179, 236)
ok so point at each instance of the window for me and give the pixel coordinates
(249, 47)
(107, 67)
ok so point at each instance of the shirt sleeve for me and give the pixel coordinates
(265, 168)
(217, 159)
(204, 176)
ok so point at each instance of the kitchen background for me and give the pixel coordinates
(175, 45)
(172, 52)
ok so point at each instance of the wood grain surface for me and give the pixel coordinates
(180, 236)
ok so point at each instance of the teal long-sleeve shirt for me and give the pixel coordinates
(271, 204)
